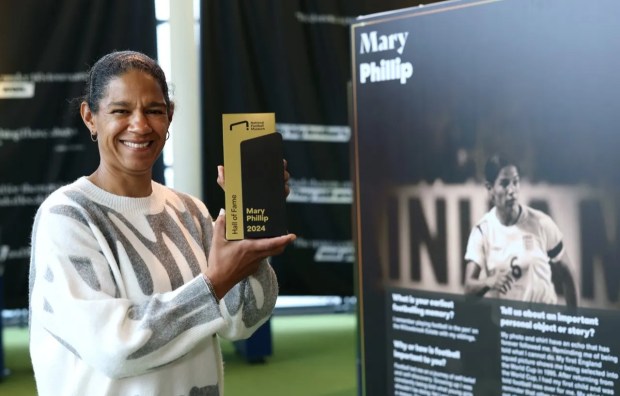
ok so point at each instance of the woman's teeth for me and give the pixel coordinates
(136, 145)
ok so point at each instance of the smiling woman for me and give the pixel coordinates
(128, 111)
(132, 282)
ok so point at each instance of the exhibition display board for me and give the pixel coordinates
(437, 91)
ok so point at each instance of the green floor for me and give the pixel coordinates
(313, 355)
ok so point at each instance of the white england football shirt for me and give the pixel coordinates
(524, 248)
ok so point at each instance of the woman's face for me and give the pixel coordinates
(131, 124)
(505, 190)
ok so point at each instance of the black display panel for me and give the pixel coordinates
(437, 91)
(47, 49)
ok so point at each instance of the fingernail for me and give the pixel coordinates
(222, 212)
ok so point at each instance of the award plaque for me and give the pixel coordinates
(253, 160)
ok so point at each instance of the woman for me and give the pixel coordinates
(131, 282)
(516, 247)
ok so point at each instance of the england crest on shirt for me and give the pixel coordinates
(528, 242)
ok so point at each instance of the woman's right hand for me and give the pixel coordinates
(230, 262)
(501, 281)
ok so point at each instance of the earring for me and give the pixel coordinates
(167, 135)
(93, 136)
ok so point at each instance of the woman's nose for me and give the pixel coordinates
(512, 189)
(138, 123)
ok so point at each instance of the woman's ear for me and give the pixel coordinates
(87, 117)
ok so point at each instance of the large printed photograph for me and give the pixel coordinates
(487, 169)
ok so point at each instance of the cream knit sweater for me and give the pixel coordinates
(118, 305)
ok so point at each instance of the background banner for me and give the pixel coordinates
(47, 47)
(291, 58)
(437, 91)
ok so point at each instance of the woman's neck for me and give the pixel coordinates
(509, 216)
(122, 185)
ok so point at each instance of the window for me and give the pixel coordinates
(162, 14)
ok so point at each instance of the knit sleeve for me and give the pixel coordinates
(78, 300)
(249, 303)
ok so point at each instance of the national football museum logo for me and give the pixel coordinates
(389, 69)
